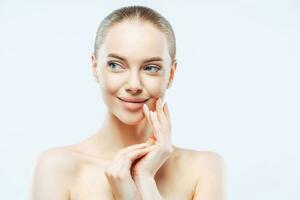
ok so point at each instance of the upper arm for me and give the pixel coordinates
(51, 176)
(211, 181)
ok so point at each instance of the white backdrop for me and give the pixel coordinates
(236, 91)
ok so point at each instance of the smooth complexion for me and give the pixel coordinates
(137, 64)
(131, 155)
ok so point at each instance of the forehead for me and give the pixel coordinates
(135, 40)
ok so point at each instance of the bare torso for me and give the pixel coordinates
(176, 179)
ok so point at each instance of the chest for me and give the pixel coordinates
(91, 184)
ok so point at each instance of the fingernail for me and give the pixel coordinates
(163, 102)
(145, 106)
(151, 113)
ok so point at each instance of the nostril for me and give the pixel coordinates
(134, 90)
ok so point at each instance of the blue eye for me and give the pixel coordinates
(114, 66)
(156, 68)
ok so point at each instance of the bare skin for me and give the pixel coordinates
(112, 164)
(176, 179)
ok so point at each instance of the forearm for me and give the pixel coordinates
(148, 188)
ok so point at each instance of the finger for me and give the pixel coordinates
(167, 113)
(131, 148)
(127, 160)
(135, 146)
(146, 111)
(155, 121)
(160, 112)
(151, 140)
(138, 157)
(156, 125)
(153, 137)
(124, 161)
(147, 114)
(133, 155)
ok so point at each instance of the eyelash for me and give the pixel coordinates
(154, 66)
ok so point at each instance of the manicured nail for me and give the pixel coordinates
(151, 113)
(145, 106)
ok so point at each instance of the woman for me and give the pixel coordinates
(131, 156)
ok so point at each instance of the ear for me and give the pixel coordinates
(94, 67)
(172, 74)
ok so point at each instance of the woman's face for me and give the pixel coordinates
(133, 64)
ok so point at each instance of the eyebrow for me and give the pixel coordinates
(157, 58)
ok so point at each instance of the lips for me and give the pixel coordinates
(132, 104)
(133, 100)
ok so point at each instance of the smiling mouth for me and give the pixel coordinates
(138, 100)
(133, 105)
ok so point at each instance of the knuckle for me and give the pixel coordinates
(127, 158)
(120, 176)
(108, 173)
(108, 170)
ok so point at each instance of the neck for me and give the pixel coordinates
(115, 135)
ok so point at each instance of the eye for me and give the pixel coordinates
(153, 68)
(114, 66)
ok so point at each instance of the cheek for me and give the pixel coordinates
(110, 82)
(156, 89)
(110, 85)
(156, 86)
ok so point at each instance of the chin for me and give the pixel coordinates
(130, 118)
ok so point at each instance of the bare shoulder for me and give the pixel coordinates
(54, 167)
(202, 159)
(208, 169)
(59, 158)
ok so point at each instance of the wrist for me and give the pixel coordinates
(142, 176)
(143, 179)
(147, 187)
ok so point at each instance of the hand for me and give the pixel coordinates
(118, 172)
(160, 122)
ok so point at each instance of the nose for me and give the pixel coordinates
(134, 85)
